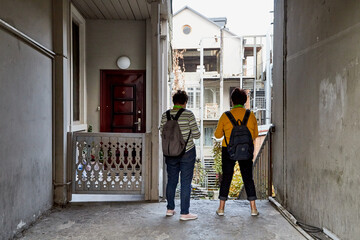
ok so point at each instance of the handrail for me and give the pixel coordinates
(262, 170)
(261, 148)
(28, 40)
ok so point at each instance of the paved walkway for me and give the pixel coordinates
(147, 221)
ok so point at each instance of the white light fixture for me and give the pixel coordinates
(123, 62)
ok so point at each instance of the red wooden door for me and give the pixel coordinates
(122, 101)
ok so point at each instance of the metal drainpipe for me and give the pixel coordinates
(255, 73)
(221, 69)
(268, 82)
(201, 102)
(241, 61)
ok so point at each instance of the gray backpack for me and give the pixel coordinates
(173, 143)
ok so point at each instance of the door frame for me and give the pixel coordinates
(103, 75)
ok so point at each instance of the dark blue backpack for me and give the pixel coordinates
(241, 146)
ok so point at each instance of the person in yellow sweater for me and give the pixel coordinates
(238, 98)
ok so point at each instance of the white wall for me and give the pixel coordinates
(201, 28)
(106, 40)
(205, 31)
(232, 56)
(26, 116)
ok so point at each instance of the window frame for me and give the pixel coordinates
(195, 89)
(186, 26)
(81, 124)
(207, 139)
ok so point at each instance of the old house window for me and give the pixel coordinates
(75, 71)
(194, 97)
(186, 29)
(208, 136)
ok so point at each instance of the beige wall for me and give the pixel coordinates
(31, 17)
(106, 40)
(26, 116)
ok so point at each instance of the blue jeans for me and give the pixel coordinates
(185, 166)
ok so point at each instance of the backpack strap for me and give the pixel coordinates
(181, 110)
(187, 140)
(233, 122)
(168, 115)
(246, 117)
(231, 118)
(225, 139)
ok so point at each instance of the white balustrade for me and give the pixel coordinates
(108, 163)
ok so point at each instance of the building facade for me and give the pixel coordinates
(229, 61)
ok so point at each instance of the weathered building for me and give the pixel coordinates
(58, 76)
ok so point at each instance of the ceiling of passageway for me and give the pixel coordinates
(114, 9)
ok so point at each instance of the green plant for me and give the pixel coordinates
(236, 183)
(217, 157)
(217, 161)
(199, 173)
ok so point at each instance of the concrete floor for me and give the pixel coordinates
(147, 221)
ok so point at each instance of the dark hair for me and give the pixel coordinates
(238, 96)
(180, 97)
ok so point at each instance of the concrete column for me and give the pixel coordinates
(155, 79)
(164, 95)
(61, 11)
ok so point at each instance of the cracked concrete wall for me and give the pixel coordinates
(26, 116)
(316, 144)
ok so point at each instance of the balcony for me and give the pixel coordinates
(211, 111)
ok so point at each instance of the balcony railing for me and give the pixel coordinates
(108, 163)
(262, 171)
(211, 111)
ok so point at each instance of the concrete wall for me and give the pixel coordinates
(26, 116)
(278, 104)
(316, 163)
(106, 41)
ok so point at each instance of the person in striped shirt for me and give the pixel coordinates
(184, 164)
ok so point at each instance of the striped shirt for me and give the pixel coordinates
(186, 123)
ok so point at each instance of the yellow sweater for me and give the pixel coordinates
(224, 124)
